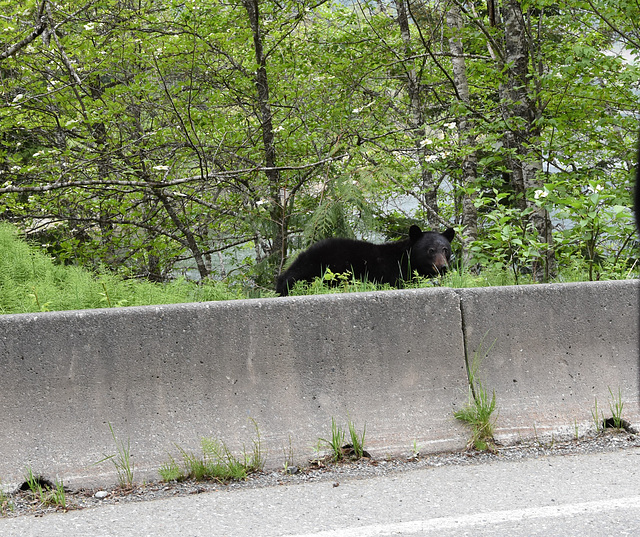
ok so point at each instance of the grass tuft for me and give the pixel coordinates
(122, 460)
(357, 442)
(338, 450)
(45, 492)
(478, 412)
(170, 471)
(335, 442)
(616, 405)
(216, 462)
(6, 505)
(597, 417)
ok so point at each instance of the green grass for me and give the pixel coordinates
(616, 405)
(597, 416)
(6, 505)
(30, 282)
(288, 456)
(216, 462)
(357, 441)
(335, 442)
(479, 409)
(338, 450)
(477, 413)
(333, 283)
(54, 496)
(122, 460)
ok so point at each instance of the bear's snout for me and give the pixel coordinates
(440, 263)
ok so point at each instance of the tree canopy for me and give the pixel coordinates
(151, 135)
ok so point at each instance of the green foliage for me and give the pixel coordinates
(597, 222)
(478, 412)
(597, 416)
(133, 137)
(170, 471)
(6, 505)
(331, 219)
(122, 460)
(217, 462)
(31, 282)
(616, 405)
(509, 240)
(45, 493)
(338, 450)
(336, 442)
(331, 282)
(357, 441)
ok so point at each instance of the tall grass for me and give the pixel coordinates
(31, 282)
(217, 462)
(478, 412)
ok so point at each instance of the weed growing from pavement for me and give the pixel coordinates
(217, 462)
(357, 442)
(170, 471)
(48, 494)
(220, 463)
(338, 450)
(288, 456)
(122, 460)
(335, 442)
(58, 496)
(258, 455)
(616, 405)
(6, 505)
(480, 407)
(598, 418)
(616, 421)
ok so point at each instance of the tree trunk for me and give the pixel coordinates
(470, 161)
(417, 121)
(520, 113)
(190, 238)
(278, 211)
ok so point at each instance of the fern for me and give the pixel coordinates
(328, 220)
(342, 210)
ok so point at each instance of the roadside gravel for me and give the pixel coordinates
(20, 503)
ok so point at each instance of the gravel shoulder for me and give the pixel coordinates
(22, 503)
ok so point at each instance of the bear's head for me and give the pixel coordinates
(430, 251)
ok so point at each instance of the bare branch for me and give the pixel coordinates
(40, 27)
(42, 24)
(58, 185)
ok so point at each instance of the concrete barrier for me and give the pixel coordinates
(554, 351)
(168, 375)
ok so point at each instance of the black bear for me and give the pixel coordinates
(427, 252)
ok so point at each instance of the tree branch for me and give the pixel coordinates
(8, 188)
(40, 27)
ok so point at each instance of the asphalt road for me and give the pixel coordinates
(578, 495)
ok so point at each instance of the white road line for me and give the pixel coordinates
(491, 517)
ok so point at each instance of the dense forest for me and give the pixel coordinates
(146, 136)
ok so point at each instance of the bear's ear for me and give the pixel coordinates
(449, 234)
(414, 233)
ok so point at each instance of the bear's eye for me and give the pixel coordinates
(432, 251)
